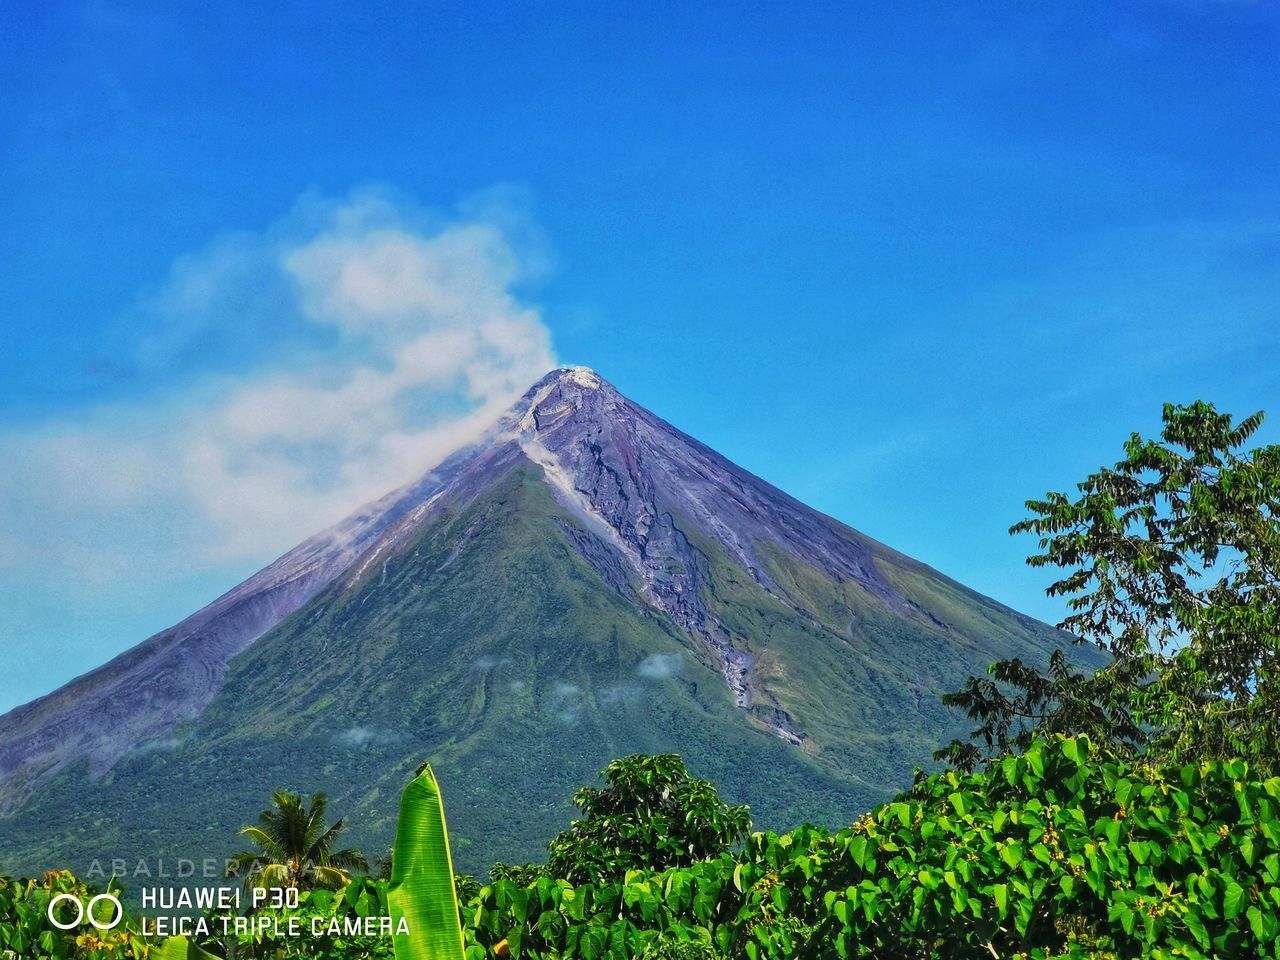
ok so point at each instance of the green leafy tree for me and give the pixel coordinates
(1172, 567)
(521, 874)
(295, 847)
(649, 815)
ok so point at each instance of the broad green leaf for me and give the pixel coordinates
(1001, 894)
(422, 889)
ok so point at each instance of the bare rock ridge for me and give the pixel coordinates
(651, 505)
(638, 479)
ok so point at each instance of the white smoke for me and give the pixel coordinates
(426, 345)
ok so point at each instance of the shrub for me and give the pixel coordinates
(1058, 852)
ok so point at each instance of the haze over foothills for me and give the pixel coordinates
(911, 266)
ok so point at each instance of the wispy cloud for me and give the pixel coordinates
(414, 337)
(659, 666)
(357, 737)
(488, 662)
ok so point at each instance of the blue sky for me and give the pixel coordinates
(914, 263)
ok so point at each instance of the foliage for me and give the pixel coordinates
(1063, 851)
(1172, 563)
(295, 847)
(650, 814)
(465, 887)
(26, 931)
(521, 874)
(361, 898)
(1059, 852)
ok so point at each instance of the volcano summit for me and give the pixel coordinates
(584, 582)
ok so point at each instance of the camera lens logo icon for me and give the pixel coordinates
(84, 912)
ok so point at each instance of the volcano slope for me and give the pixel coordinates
(583, 583)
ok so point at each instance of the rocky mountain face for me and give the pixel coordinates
(584, 582)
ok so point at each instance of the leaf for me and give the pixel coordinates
(422, 888)
(1000, 892)
(1271, 868)
(1035, 761)
(1011, 854)
(1256, 923)
(901, 811)
(1196, 926)
(1232, 901)
(1247, 850)
(858, 850)
(1128, 919)
(1009, 767)
(591, 944)
(1124, 789)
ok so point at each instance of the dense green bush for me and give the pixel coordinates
(26, 933)
(25, 929)
(649, 815)
(1058, 852)
(362, 897)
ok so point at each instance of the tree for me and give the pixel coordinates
(651, 814)
(295, 847)
(521, 874)
(1172, 567)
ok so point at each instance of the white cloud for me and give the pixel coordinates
(619, 693)
(568, 702)
(159, 745)
(418, 341)
(489, 662)
(357, 737)
(659, 666)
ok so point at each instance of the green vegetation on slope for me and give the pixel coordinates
(487, 643)
(863, 683)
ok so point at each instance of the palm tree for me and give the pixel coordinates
(295, 847)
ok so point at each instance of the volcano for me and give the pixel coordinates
(584, 582)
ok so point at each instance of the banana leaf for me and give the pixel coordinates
(421, 889)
